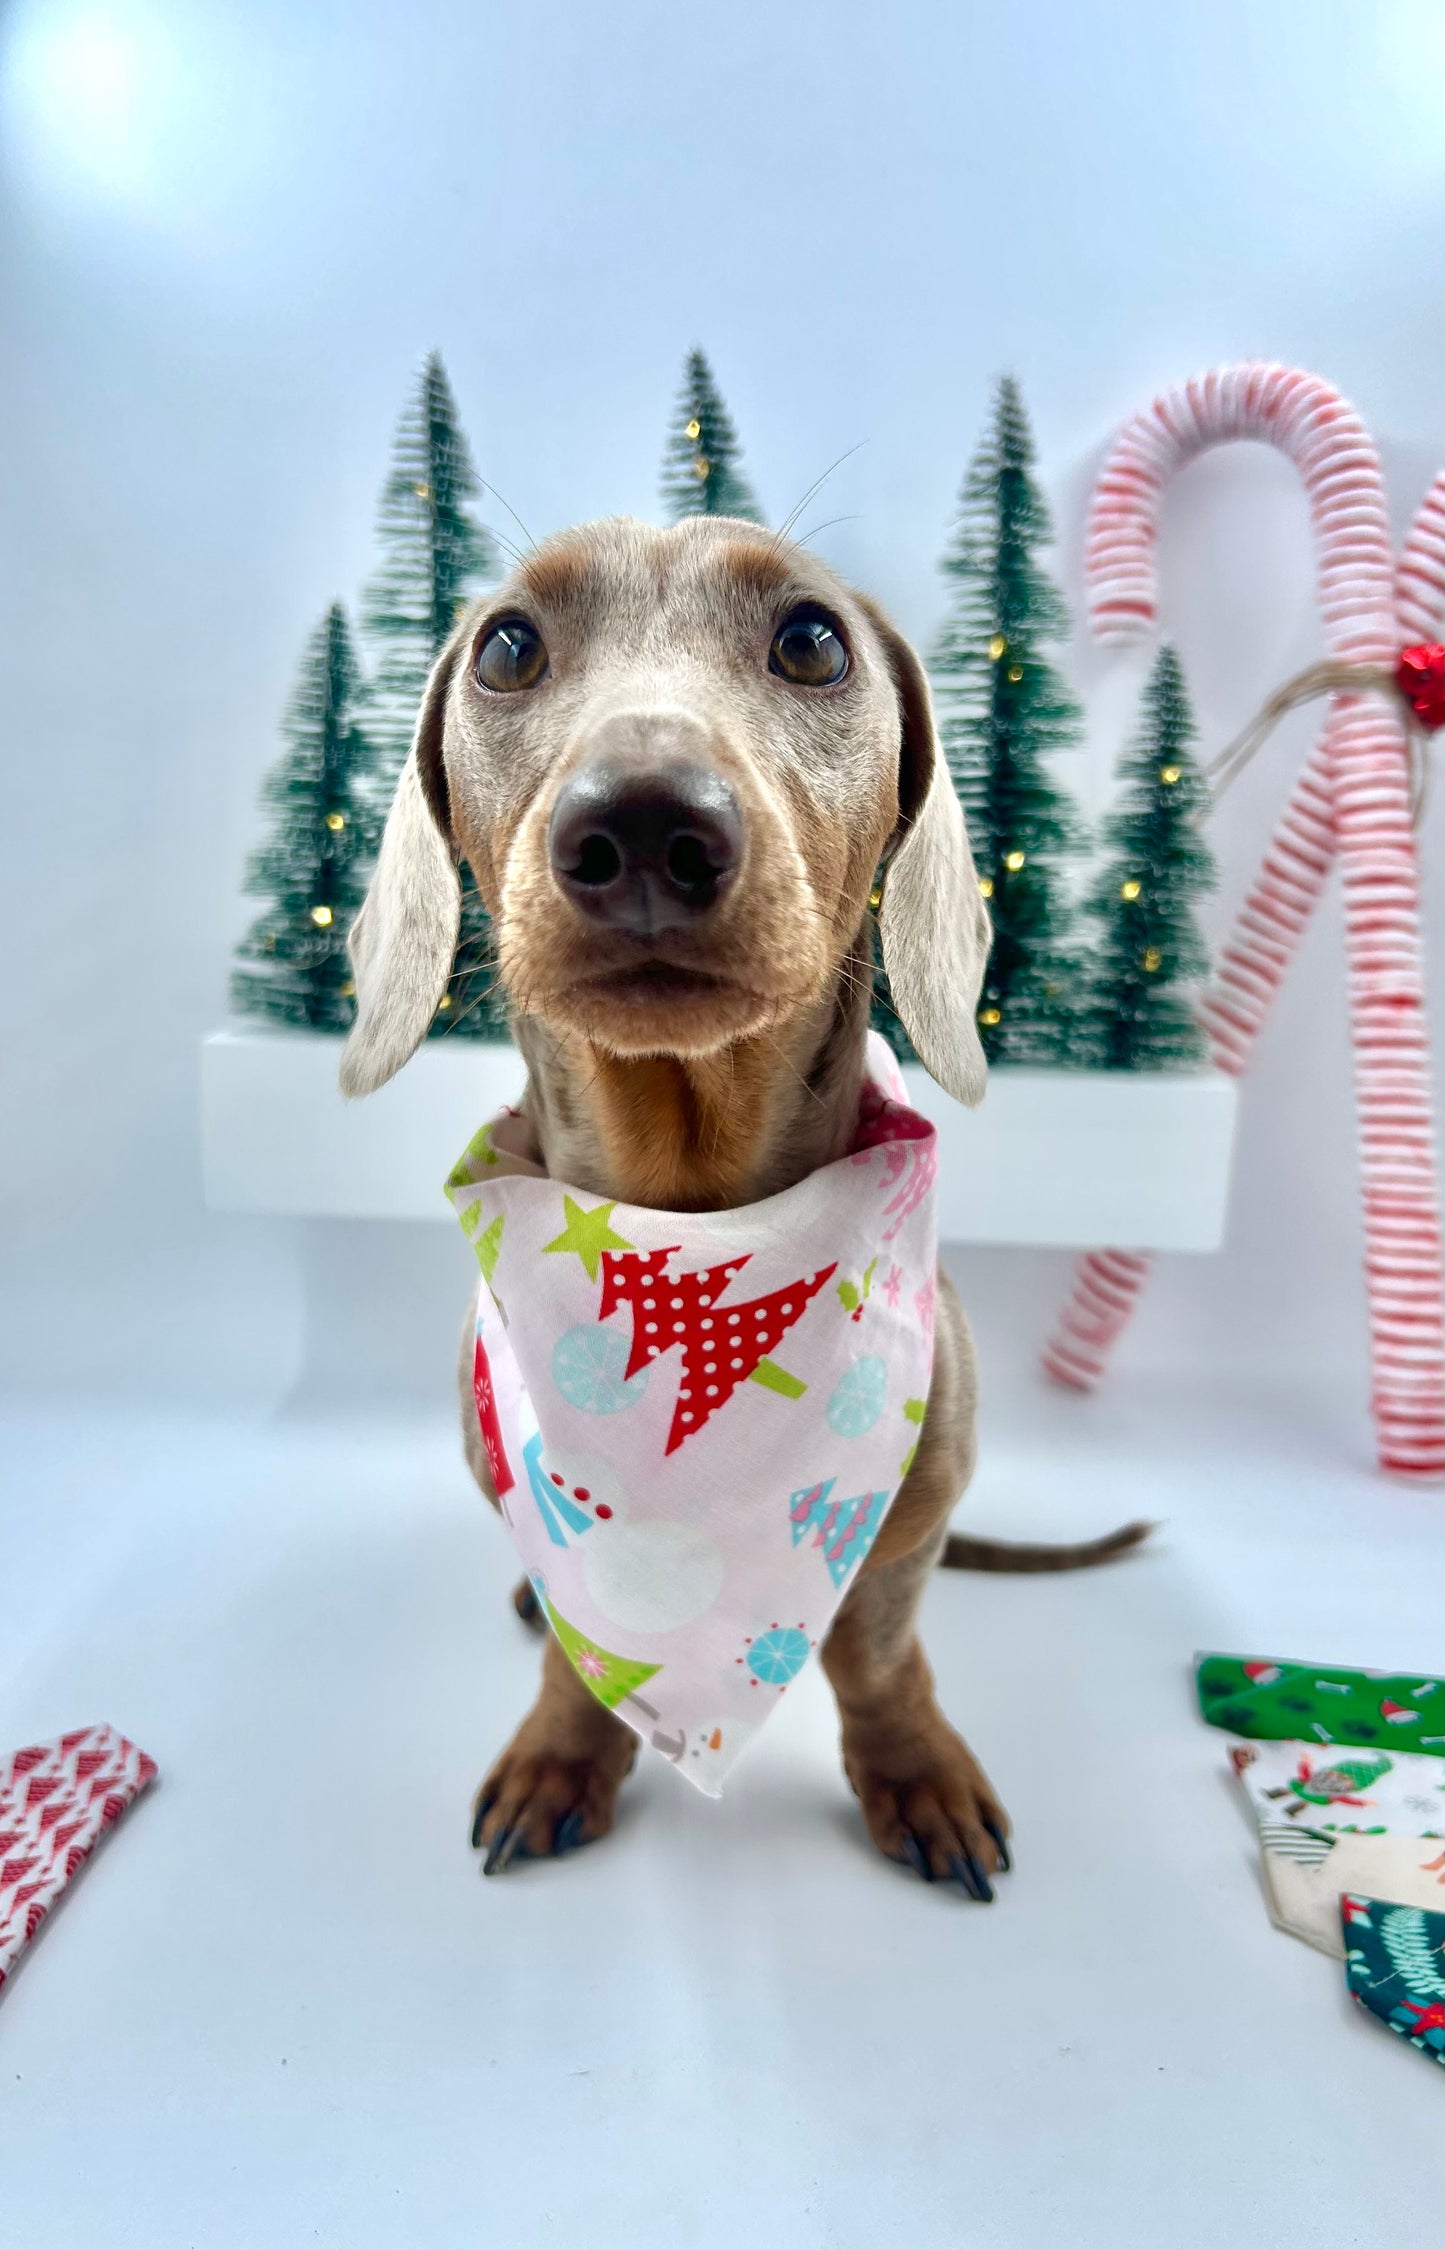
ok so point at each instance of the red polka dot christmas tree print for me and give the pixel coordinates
(722, 1344)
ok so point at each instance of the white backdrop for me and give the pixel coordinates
(230, 231)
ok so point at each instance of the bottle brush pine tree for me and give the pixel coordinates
(700, 472)
(1004, 713)
(436, 556)
(313, 868)
(1135, 1016)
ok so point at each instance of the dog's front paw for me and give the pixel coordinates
(537, 1804)
(928, 1803)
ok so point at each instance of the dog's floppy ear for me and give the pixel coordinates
(933, 922)
(404, 939)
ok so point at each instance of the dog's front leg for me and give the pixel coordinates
(555, 1785)
(924, 1796)
(926, 1799)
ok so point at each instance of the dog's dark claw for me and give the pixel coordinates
(569, 1834)
(506, 1846)
(916, 1856)
(966, 1870)
(484, 1805)
(1005, 1863)
(525, 1603)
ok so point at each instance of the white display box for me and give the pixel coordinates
(1073, 1159)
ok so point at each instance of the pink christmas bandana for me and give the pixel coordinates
(56, 1801)
(696, 1422)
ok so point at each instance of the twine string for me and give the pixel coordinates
(1332, 676)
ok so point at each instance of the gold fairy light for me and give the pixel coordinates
(990, 1016)
(1013, 861)
(1131, 889)
(322, 916)
(1169, 775)
(336, 821)
(422, 491)
(1152, 959)
(997, 647)
(985, 884)
(1015, 673)
(444, 1003)
(702, 468)
(694, 430)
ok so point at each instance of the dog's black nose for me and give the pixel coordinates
(644, 849)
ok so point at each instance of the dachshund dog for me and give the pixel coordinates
(675, 761)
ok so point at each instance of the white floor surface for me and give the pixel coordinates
(281, 2008)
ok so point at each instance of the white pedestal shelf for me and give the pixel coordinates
(1073, 1159)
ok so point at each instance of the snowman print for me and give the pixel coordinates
(651, 1574)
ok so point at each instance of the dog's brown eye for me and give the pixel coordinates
(808, 649)
(512, 656)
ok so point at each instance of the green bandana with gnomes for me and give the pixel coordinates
(695, 1423)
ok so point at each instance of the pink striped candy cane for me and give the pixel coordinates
(1351, 798)
(1420, 577)
(1256, 956)
(1254, 961)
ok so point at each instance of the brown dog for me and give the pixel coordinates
(675, 761)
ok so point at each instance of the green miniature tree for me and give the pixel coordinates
(313, 868)
(1004, 712)
(437, 555)
(1135, 1016)
(700, 472)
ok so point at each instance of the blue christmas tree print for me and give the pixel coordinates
(844, 1529)
(812, 1510)
(858, 1397)
(589, 1368)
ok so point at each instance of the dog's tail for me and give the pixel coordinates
(962, 1551)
